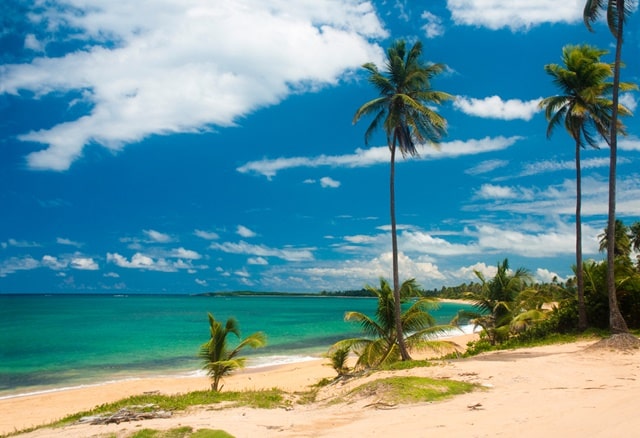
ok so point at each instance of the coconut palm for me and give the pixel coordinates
(404, 111)
(584, 109)
(219, 360)
(496, 303)
(380, 342)
(617, 13)
(622, 245)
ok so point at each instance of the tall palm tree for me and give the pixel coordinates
(380, 342)
(403, 110)
(583, 107)
(219, 360)
(617, 12)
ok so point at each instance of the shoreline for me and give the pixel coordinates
(49, 406)
(561, 389)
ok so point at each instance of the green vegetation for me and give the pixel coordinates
(584, 109)
(395, 390)
(181, 432)
(404, 110)
(380, 344)
(219, 360)
(617, 13)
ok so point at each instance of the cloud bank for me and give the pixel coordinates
(183, 66)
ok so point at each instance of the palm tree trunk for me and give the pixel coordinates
(404, 354)
(617, 323)
(582, 311)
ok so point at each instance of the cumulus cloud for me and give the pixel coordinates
(245, 232)
(378, 155)
(148, 263)
(185, 65)
(329, 182)
(84, 264)
(629, 100)
(288, 254)
(516, 15)
(495, 108)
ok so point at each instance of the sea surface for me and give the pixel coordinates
(50, 342)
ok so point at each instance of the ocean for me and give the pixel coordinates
(49, 342)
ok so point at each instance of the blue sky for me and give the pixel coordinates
(190, 146)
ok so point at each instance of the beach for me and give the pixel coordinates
(564, 389)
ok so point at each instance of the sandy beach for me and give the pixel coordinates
(560, 390)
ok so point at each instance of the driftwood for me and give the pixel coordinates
(127, 414)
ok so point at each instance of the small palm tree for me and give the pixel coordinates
(380, 344)
(585, 110)
(496, 303)
(404, 111)
(219, 360)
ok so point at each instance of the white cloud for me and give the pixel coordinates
(54, 263)
(69, 242)
(539, 167)
(631, 143)
(145, 262)
(207, 235)
(433, 25)
(329, 182)
(181, 253)
(257, 261)
(201, 282)
(629, 100)
(495, 108)
(378, 155)
(546, 276)
(469, 272)
(514, 14)
(490, 191)
(486, 167)
(84, 264)
(111, 275)
(245, 232)
(14, 264)
(288, 254)
(20, 244)
(156, 236)
(186, 65)
(32, 43)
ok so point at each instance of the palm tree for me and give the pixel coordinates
(583, 108)
(622, 245)
(380, 344)
(617, 12)
(496, 302)
(404, 113)
(219, 361)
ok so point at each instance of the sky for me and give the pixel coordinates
(189, 146)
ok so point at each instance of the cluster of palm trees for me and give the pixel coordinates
(404, 110)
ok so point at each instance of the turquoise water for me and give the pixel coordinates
(54, 341)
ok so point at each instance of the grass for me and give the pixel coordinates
(266, 399)
(401, 390)
(181, 432)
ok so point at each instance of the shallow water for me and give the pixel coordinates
(53, 341)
